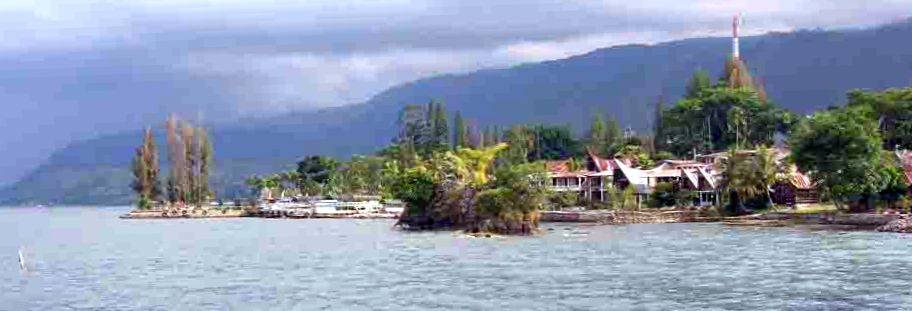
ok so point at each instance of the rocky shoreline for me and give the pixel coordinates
(824, 221)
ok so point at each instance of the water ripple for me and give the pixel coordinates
(87, 259)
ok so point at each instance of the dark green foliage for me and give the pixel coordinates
(554, 143)
(415, 187)
(658, 128)
(722, 117)
(699, 82)
(663, 195)
(613, 135)
(520, 141)
(514, 194)
(440, 132)
(896, 187)
(315, 171)
(893, 109)
(559, 200)
(842, 151)
(414, 133)
(598, 140)
(460, 132)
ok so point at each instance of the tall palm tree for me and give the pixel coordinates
(766, 170)
(740, 179)
(737, 123)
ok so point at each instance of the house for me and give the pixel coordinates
(590, 181)
(562, 178)
(683, 175)
(702, 183)
(797, 188)
(597, 176)
(703, 177)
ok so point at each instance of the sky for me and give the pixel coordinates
(77, 69)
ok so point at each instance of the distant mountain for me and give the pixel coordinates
(802, 71)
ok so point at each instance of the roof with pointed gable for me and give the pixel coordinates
(801, 181)
(601, 164)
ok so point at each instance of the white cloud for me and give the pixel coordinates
(281, 55)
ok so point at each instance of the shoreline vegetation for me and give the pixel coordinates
(499, 180)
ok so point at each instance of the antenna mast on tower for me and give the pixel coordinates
(736, 48)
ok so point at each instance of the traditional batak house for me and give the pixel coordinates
(598, 175)
(683, 175)
(590, 181)
(797, 188)
(703, 177)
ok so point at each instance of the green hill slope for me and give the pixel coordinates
(802, 71)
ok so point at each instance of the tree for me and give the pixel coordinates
(767, 170)
(205, 163)
(415, 187)
(191, 172)
(598, 136)
(554, 143)
(314, 172)
(720, 118)
(612, 134)
(515, 195)
(177, 159)
(743, 178)
(698, 82)
(636, 154)
(893, 110)
(737, 123)
(520, 142)
(460, 132)
(256, 185)
(658, 128)
(145, 172)
(145, 168)
(414, 134)
(841, 150)
(440, 130)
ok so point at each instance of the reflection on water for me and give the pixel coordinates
(85, 258)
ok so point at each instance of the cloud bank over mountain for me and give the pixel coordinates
(80, 68)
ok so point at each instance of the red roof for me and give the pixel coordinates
(800, 180)
(557, 166)
(601, 164)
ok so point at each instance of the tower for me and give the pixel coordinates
(736, 48)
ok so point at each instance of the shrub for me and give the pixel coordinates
(664, 195)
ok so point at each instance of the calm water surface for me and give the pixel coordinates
(88, 259)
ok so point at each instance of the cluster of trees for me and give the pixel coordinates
(457, 175)
(849, 150)
(189, 160)
(465, 189)
(716, 117)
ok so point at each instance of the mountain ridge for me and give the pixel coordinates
(802, 71)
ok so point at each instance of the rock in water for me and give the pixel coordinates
(898, 226)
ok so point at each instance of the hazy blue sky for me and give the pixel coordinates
(73, 69)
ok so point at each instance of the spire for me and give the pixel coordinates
(736, 48)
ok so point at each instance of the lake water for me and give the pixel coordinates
(88, 259)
